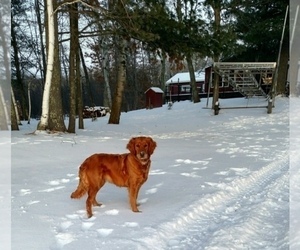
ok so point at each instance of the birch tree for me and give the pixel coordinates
(52, 111)
(56, 114)
(5, 67)
(14, 112)
(43, 124)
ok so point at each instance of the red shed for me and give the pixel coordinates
(154, 97)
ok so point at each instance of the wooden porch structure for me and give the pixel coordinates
(250, 79)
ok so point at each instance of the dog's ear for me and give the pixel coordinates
(130, 145)
(152, 145)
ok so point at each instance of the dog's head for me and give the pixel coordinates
(142, 147)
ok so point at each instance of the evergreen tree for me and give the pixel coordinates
(259, 27)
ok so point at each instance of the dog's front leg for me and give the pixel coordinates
(133, 190)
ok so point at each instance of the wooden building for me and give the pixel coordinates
(178, 87)
(236, 79)
(225, 89)
(154, 97)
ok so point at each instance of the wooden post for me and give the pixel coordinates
(270, 105)
(216, 108)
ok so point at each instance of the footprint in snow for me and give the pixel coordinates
(32, 202)
(143, 201)
(191, 162)
(24, 192)
(80, 214)
(57, 182)
(151, 191)
(86, 225)
(157, 172)
(222, 173)
(48, 190)
(72, 216)
(241, 171)
(103, 232)
(63, 239)
(159, 184)
(112, 212)
(131, 224)
(65, 225)
(193, 175)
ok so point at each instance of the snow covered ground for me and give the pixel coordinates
(5, 186)
(216, 182)
(294, 173)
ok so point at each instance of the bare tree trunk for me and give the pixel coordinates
(132, 87)
(104, 51)
(14, 112)
(195, 94)
(20, 83)
(121, 81)
(56, 114)
(136, 85)
(163, 70)
(79, 88)
(74, 50)
(64, 59)
(215, 89)
(43, 124)
(86, 75)
(283, 68)
(3, 112)
(29, 102)
(4, 86)
(39, 22)
(105, 69)
(217, 14)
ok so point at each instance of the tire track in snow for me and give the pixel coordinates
(265, 223)
(204, 214)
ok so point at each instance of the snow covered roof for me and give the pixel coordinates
(185, 77)
(155, 89)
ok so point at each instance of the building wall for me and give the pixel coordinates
(153, 99)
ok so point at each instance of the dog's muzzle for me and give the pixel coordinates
(142, 154)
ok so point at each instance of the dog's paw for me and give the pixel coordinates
(97, 204)
(136, 210)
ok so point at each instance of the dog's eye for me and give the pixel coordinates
(137, 145)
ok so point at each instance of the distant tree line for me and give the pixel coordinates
(4, 65)
(69, 54)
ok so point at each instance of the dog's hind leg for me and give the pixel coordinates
(95, 202)
(83, 184)
(91, 200)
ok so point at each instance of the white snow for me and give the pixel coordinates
(216, 182)
(185, 77)
(156, 90)
(5, 189)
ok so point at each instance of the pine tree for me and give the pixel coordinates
(261, 39)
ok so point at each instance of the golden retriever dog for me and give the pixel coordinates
(124, 170)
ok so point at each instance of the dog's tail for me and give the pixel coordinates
(83, 184)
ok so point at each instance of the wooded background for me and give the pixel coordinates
(108, 53)
(4, 65)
